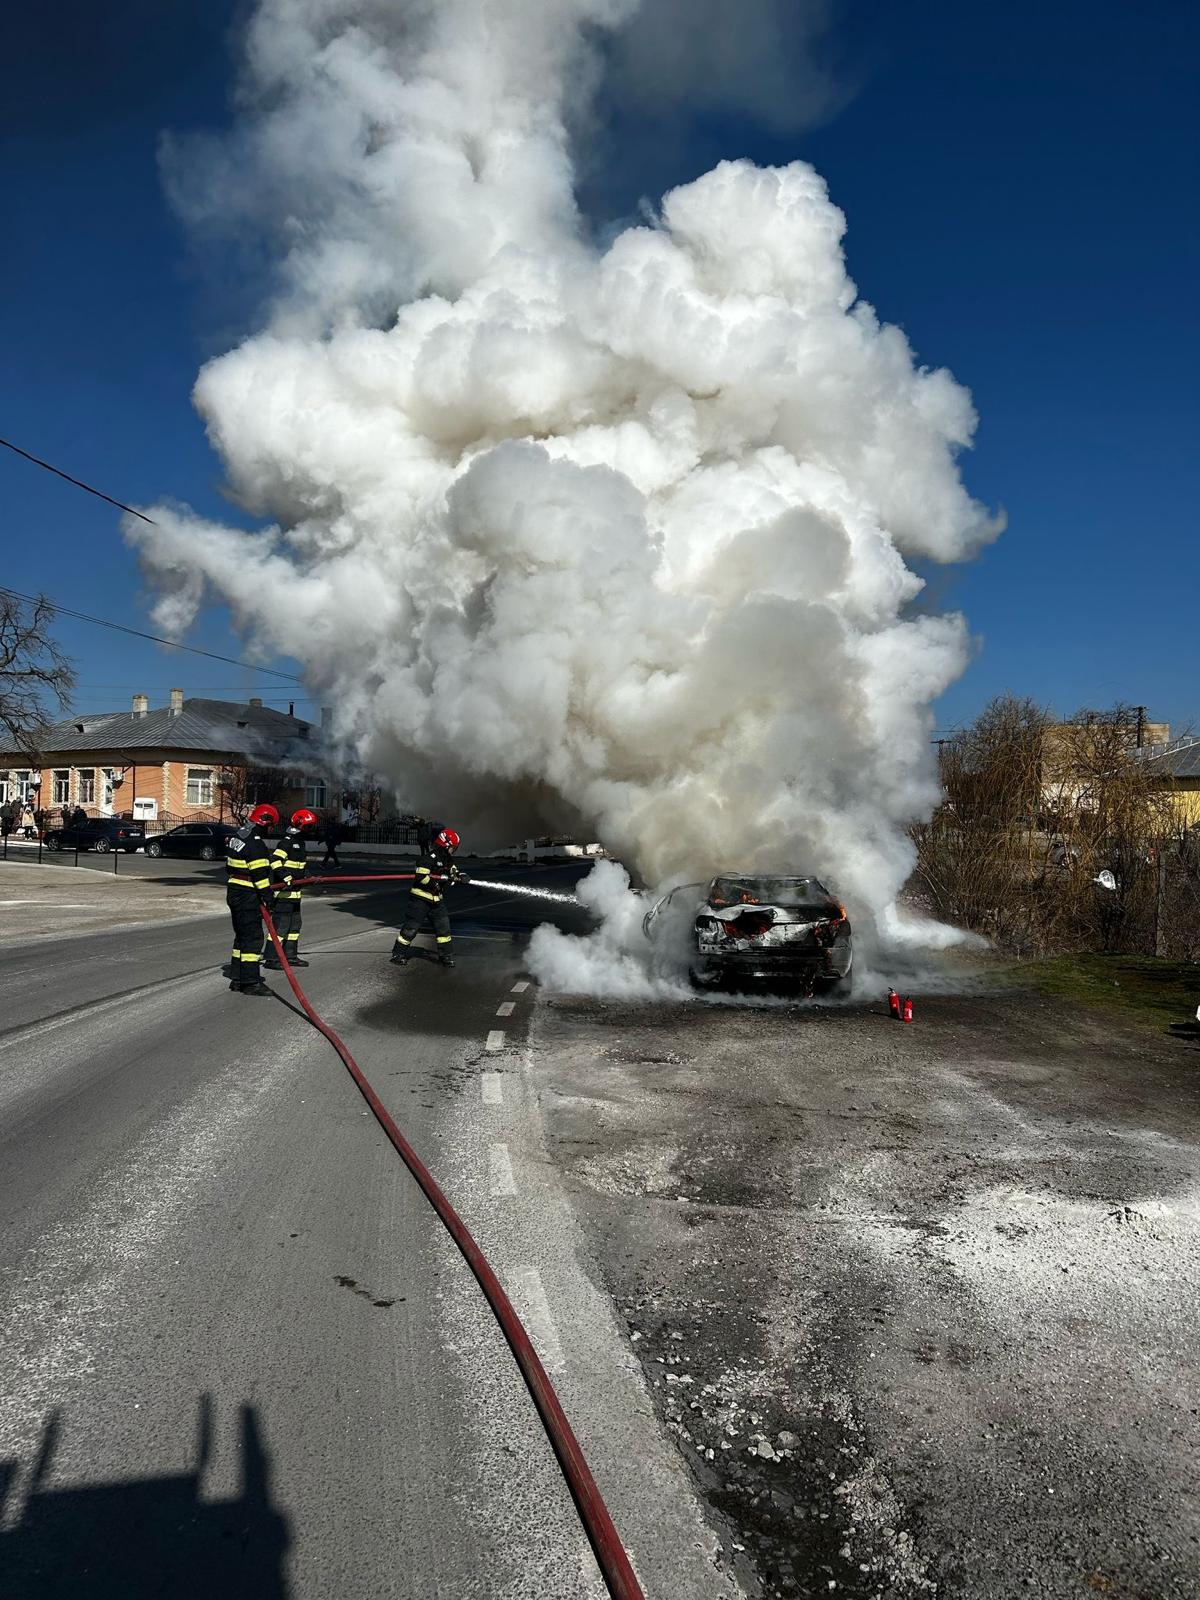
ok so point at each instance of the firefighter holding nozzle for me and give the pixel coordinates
(248, 889)
(435, 870)
(289, 862)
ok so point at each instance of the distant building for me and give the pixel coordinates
(191, 760)
(1178, 760)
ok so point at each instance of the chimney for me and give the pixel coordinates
(141, 704)
(255, 701)
(176, 702)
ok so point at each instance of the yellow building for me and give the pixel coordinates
(1179, 761)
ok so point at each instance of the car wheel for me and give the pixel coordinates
(703, 979)
(838, 984)
(53, 844)
(102, 846)
(208, 853)
(154, 849)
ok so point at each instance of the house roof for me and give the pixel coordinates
(1180, 758)
(208, 725)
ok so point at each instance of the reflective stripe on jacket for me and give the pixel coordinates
(247, 860)
(289, 859)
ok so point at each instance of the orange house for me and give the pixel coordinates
(191, 760)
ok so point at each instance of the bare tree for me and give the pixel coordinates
(1054, 836)
(244, 787)
(33, 670)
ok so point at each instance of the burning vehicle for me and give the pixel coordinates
(746, 926)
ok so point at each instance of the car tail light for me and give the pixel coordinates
(829, 932)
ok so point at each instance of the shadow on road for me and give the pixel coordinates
(138, 1538)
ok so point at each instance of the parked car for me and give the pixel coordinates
(755, 926)
(202, 841)
(99, 833)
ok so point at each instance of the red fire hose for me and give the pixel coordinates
(610, 1554)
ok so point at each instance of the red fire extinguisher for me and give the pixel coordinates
(908, 1010)
(894, 1004)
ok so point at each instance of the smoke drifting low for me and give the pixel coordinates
(611, 539)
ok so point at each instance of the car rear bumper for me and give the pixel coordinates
(808, 966)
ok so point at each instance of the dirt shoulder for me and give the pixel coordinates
(917, 1304)
(54, 902)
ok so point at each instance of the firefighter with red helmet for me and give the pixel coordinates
(435, 869)
(289, 861)
(247, 890)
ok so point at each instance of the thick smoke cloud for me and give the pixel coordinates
(606, 539)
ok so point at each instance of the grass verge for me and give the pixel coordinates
(1146, 989)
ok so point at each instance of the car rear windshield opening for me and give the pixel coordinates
(789, 892)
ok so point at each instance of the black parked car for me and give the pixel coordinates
(202, 841)
(99, 833)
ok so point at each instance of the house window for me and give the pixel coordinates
(24, 783)
(87, 786)
(316, 794)
(62, 785)
(3, 788)
(199, 786)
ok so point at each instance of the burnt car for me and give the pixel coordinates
(757, 926)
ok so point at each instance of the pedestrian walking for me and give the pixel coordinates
(289, 862)
(248, 889)
(7, 818)
(435, 869)
(330, 839)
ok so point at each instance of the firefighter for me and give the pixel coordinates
(434, 870)
(288, 862)
(248, 889)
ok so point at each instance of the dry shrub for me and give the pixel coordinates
(1034, 812)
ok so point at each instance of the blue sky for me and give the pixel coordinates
(1020, 184)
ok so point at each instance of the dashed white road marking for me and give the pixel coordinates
(519, 988)
(491, 1086)
(506, 1009)
(495, 1040)
(529, 1297)
(500, 1172)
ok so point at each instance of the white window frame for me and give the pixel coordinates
(201, 781)
(4, 787)
(60, 781)
(316, 794)
(24, 779)
(85, 781)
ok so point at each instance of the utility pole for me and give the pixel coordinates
(1141, 726)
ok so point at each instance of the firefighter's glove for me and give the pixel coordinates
(267, 901)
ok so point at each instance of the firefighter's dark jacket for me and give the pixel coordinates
(248, 860)
(427, 884)
(289, 860)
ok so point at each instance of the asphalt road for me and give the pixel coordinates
(836, 1306)
(918, 1304)
(241, 1357)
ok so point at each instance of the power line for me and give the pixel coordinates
(78, 482)
(171, 644)
(101, 622)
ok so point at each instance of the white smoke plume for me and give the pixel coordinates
(612, 539)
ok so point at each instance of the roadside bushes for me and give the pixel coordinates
(1035, 811)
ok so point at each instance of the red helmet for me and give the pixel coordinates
(304, 818)
(448, 839)
(265, 817)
